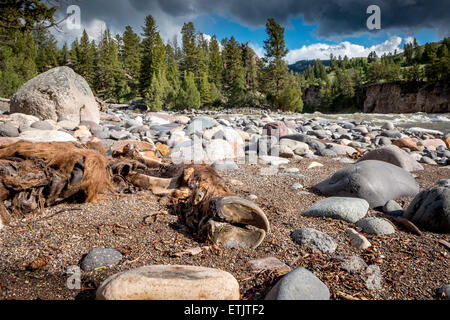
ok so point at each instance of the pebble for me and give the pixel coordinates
(357, 240)
(314, 239)
(100, 257)
(375, 226)
(347, 209)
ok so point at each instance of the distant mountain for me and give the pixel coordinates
(302, 65)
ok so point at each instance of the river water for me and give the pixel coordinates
(435, 121)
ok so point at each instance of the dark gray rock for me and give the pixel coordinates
(100, 257)
(314, 239)
(430, 209)
(327, 153)
(347, 209)
(299, 284)
(391, 134)
(372, 180)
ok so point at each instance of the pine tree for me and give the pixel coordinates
(131, 59)
(64, 55)
(205, 93)
(154, 95)
(17, 62)
(234, 72)
(111, 77)
(275, 52)
(190, 49)
(188, 95)
(85, 60)
(147, 67)
(47, 51)
(215, 63)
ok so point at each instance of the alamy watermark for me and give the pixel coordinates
(73, 21)
(374, 20)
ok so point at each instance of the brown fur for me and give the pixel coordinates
(63, 157)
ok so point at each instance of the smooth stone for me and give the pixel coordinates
(354, 264)
(170, 282)
(347, 209)
(430, 209)
(36, 135)
(200, 124)
(268, 263)
(393, 208)
(100, 257)
(273, 161)
(42, 125)
(20, 119)
(357, 240)
(327, 153)
(297, 186)
(225, 166)
(375, 226)
(314, 239)
(8, 130)
(394, 155)
(391, 134)
(219, 150)
(299, 284)
(340, 150)
(428, 160)
(372, 180)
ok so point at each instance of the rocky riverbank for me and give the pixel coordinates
(326, 187)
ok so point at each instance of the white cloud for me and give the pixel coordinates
(322, 50)
(409, 40)
(257, 48)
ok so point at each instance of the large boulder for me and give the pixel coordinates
(57, 93)
(395, 156)
(373, 180)
(430, 210)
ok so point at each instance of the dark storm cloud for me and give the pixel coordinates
(332, 17)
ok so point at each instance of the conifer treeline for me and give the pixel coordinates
(340, 82)
(198, 72)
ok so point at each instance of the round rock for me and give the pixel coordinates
(170, 282)
(299, 284)
(100, 257)
(347, 209)
(372, 180)
(314, 239)
(430, 209)
(375, 226)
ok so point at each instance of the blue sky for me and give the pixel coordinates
(313, 29)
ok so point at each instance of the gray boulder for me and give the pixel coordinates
(299, 284)
(372, 180)
(347, 209)
(394, 155)
(59, 92)
(430, 210)
(393, 208)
